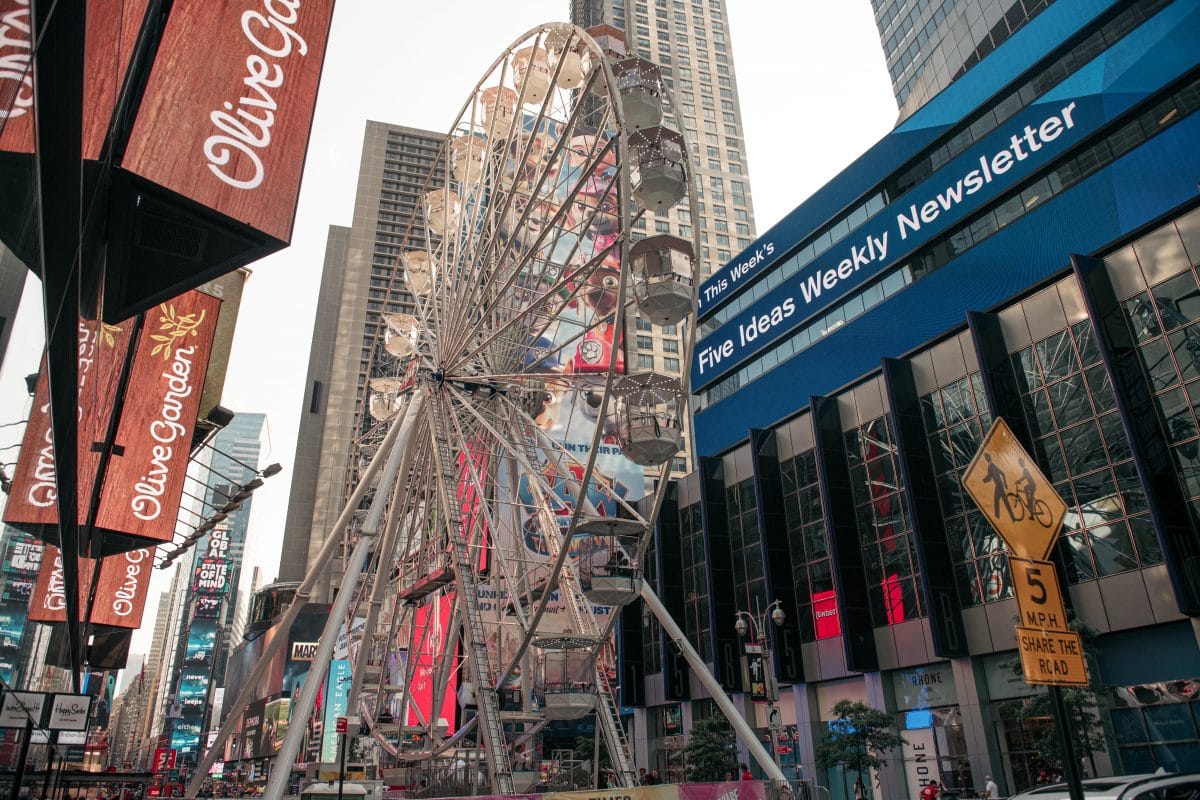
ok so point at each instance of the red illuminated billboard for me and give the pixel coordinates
(429, 641)
(825, 615)
(164, 759)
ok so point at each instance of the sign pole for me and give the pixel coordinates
(1062, 727)
(342, 769)
(20, 773)
(1022, 505)
(50, 756)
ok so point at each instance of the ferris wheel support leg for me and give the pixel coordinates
(317, 571)
(281, 770)
(388, 547)
(700, 669)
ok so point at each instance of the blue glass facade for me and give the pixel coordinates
(1025, 247)
(957, 255)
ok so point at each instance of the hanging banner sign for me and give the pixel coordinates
(111, 32)
(21, 707)
(120, 596)
(233, 89)
(144, 481)
(143, 487)
(69, 712)
(33, 501)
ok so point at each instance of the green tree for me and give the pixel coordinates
(1082, 702)
(585, 750)
(858, 738)
(711, 751)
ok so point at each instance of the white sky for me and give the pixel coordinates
(814, 95)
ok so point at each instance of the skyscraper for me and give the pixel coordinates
(210, 587)
(689, 40)
(359, 260)
(928, 45)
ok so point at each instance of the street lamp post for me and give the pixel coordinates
(755, 625)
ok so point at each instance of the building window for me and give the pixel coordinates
(1165, 321)
(809, 548)
(956, 417)
(695, 579)
(1080, 444)
(645, 361)
(745, 546)
(882, 520)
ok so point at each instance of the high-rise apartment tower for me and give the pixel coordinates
(928, 45)
(359, 261)
(690, 41)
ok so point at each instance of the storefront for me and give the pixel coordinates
(928, 718)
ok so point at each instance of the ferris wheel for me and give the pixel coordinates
(534, 456)
(509, 459)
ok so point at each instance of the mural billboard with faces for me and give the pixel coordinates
(566, 224)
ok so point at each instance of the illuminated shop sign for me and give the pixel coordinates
(1026, 144)
(826, 621)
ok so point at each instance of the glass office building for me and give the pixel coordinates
(1026, 247)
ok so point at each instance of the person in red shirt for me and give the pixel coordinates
(746, 776)
(931, 791)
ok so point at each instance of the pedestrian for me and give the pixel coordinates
(990, 790)
(860, 789)
(642, 776)
(746, 776)
(931, 791)
(654, 779)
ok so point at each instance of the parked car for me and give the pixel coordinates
(1154, 786)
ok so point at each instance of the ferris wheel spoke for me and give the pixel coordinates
(492, 523)
(530, 321)
(534, 209)
(553, 226)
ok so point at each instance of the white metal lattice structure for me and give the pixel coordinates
(521, 290)
(492, 422)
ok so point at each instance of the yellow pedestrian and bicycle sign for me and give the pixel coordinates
(1021, 504)
(1014, 495)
